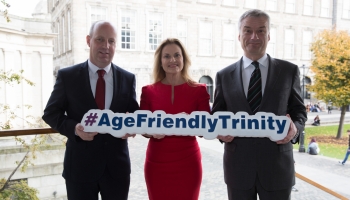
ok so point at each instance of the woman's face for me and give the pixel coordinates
(172, 60)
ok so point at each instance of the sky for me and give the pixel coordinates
(23, 8)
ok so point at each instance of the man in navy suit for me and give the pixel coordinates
(93, 163)
(255, 165)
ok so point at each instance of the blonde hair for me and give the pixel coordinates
(158, 71)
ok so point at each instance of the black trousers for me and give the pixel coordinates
(109, 188)
(251, 194)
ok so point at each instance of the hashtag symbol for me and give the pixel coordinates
(91, 119)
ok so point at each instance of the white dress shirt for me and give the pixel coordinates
(93, 75)
(248, 69)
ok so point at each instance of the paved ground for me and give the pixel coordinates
(325, 171)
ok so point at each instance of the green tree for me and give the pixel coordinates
(331, 65)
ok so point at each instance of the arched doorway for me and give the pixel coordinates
(209, 82)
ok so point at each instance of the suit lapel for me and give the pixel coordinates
(237, 91)
(273, 73)
(84, 74)
(117, 79)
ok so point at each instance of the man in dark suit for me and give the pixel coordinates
(93, 163)
(258, 165)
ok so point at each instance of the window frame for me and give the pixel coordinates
(120, 35)
(308, 8)
(160, 39)
(288, 2)
(200, 38)
(185, 30)
(232, 39)
(292, 44)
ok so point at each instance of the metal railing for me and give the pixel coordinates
(22, 132)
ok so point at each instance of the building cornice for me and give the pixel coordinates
(25, 33)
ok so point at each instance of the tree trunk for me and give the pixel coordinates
(341, 122)
(13, 172)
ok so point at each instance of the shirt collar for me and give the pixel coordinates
(94, 68)
(263, 61)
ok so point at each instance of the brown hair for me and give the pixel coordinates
(158, 71)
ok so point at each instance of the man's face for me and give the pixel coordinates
(254, 36)
(102, 44)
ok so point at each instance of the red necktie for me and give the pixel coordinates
(100, 90)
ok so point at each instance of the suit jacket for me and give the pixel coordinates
(85, 161)
(246, 158)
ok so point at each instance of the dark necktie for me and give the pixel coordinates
(100, 90)
(254, 90)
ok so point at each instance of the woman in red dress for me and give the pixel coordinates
(173, 168)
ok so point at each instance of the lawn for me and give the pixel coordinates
(326, 139)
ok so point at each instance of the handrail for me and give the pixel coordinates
(19, 132)
(320, 186)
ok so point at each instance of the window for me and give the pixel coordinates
(205, 38)
(271, 46)
(98, 13)
(290, 6)
(63, 36)
(58, 38)
(155, 30)
(55, 39)
(346, 9)
(271, 5)
(250, 4)
(182, 31)
(205, 1)
(228, 2)
(325, 8)
(228, 39)
(69, 31)
(308, 7)
(289, 43)
(128, 29)
(307, 39)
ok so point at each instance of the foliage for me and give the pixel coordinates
(5, 11)
(20, 189)
(329, 148)
(331, 65)
(10, 77)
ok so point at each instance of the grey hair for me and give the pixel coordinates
(96, 23)
(254, 13)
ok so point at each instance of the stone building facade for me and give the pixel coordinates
(208, 28)
(26, 44)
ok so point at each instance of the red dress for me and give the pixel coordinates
(173, 168)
